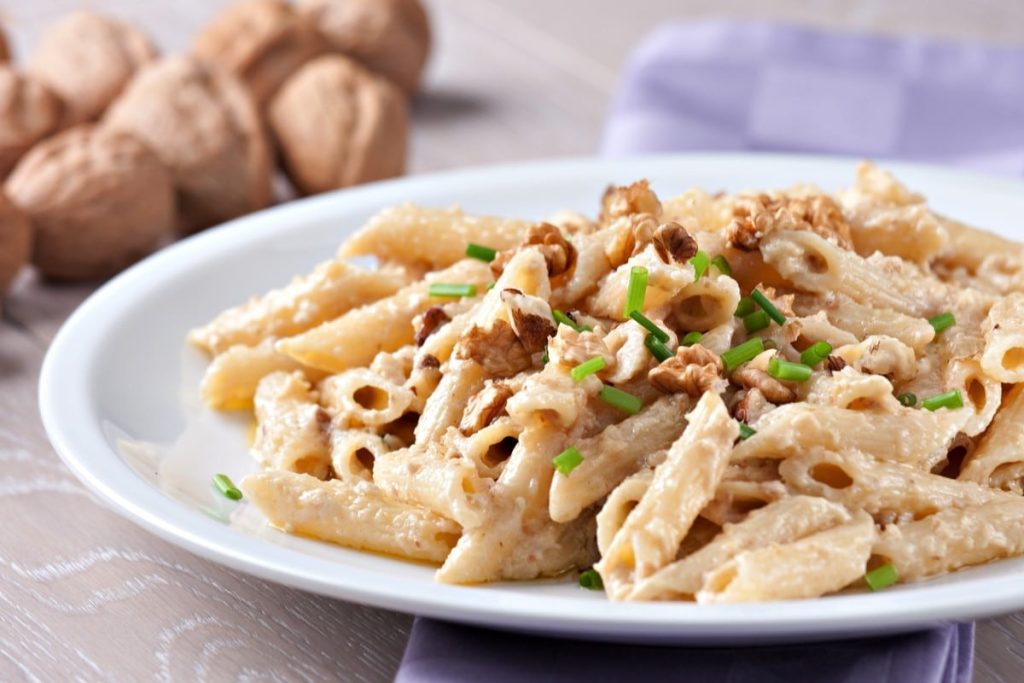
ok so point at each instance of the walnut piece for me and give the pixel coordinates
(202, 123)
(426, 324)
(624, 201)
(87, 59)
(572, 347)
(558, 253)
(98, 199)
(751, 405)
(498, 349)
(834, 363)
(484, 407)
(338, 124)
(15, 242)
(531, 319)
(633, 234)
(673, 243)
(754, 216)
(261, 41)
(28, 113)
(389, 37)
(694, 370)
(772, 389)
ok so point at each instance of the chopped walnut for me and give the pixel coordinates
(498, 349)
(751, 405)
(674, 243)
(429, 361)
(754, 216)
(694, 370)
(834, 363)
(531, 319)
(773, 390)
(624, 201)
(631, 236)
(557, 251)
(572, 347)
(484, 408)
(433, 318)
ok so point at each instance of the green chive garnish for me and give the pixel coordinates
(745, 307)
(815, 353)
(657, 348)
(491, 286)
(746, 431)
(226, 487)
(587, 368)
(768, 307)
(691, 338)
(943, 321)
(591, 580)
(784, 369)
(881, 577)
(758, 320)
(907, 400)
(722, 264)
(700, 263)
(477, 251)
(949, 399)
(451, 290)
(568, 460)
(648, 324)
(563, 319)
(627, 403)
(546, 357)
(636, 290)
(738, 355)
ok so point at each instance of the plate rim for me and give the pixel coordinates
(63, 403)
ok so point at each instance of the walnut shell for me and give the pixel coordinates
(98, 199)
(260, 41)
(203, 124)
(15, 242)
(391, 37)
(337, 124)
(28, 113)
(86, 59)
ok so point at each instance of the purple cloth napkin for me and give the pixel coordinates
(758, 86)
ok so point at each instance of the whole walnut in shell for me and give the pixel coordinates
(15, 242)
(203, 124)
(86, 59)
(260, 41)
(28, 112)
(98, 199)
(337, 124)
(391, 37)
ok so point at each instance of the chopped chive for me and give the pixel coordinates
(649, 325)
(568, 460)
(546, 357)
(563, 319)
(738, 355)
(700, 263)
(949, 399)
(722, 264)
(941, 322)
(591, 580)
(784, 369)
(758, 320)
(226, 487)
(451, 290)
(691, 338)
(907, 400)
(768, 307)
(746, 431)
(627, 403)
(881, 577)
(745, 307)
(491, 286)
(636, 290)
(815, 353)
(657, 348)
(480, 252)
(587, 368)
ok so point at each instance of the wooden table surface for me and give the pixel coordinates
(87, 595)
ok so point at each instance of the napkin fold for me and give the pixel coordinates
(731, 86)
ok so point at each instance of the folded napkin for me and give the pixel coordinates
(761, 86)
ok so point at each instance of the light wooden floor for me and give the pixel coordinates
(84, 593)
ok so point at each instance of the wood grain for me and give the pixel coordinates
(86, 595)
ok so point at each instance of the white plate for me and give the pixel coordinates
(119, 399)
